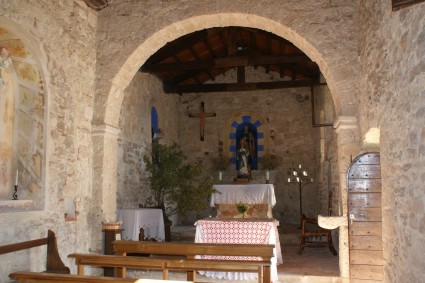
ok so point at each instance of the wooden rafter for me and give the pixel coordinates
(185, 64)
(234, 61)
(232, 87)
(398, 4)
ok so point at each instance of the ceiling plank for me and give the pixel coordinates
(177, 46)
(232, 87)
(234, 61)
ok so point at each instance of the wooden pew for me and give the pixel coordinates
(167, 264)
(54, 263)
(36, 277)
(191, 250)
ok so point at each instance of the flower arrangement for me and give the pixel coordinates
(270, 162)
(241, 208)
(220, 163)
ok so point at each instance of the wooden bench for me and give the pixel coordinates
(167, 264)
(54, 263)
(36, 277)
(189, 251)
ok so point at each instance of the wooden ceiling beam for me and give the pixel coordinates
(232, 87)
(177, 46)
(228, 62)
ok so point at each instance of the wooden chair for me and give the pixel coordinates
(310, 229)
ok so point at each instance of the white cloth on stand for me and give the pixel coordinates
(150, 219)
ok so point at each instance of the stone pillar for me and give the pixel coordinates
(348, 145)
(104, 193)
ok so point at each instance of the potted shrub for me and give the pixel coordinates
(177, 184)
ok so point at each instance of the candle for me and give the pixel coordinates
(304, 173)
(295, 173)
(289, 180)
(312, 180)
(299, 166)
(16, 180)
(298, 179)
(220, 175)
(267, 175)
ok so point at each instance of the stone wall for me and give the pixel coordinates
(88, 59)
(60, 36)
(287, 113)
(391, 57)
(134, 141)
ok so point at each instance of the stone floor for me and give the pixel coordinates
(316, 265)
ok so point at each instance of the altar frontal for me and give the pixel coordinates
(258, 198)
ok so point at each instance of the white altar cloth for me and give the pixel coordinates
(250, 193)
(150, 219)
(240, 231)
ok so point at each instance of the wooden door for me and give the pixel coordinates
(365, 219)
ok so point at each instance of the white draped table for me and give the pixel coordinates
(250, 193)
(239, 231)
(150, 219)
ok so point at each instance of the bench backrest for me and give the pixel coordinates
(33, 277)
(159, 263)
(192, 249)
(54, 263)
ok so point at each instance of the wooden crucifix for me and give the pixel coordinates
(202, 115)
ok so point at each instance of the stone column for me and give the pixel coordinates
(348, 143)
(104, 193)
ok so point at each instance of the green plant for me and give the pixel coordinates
(220, 163)
(241, 208)
(269, 162)
(175, 183)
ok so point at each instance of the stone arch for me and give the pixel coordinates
(110, 115)
(339, 78)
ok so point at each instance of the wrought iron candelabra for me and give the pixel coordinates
(300, 176)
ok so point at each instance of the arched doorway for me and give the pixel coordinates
(108, 115)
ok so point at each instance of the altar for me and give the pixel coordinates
(239, 231)
(259, 197)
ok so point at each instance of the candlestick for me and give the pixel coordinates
(15, 194)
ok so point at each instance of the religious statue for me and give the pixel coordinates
(245, 152)
(242, 158)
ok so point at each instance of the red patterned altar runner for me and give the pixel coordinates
(234, 232)
(239, 231)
